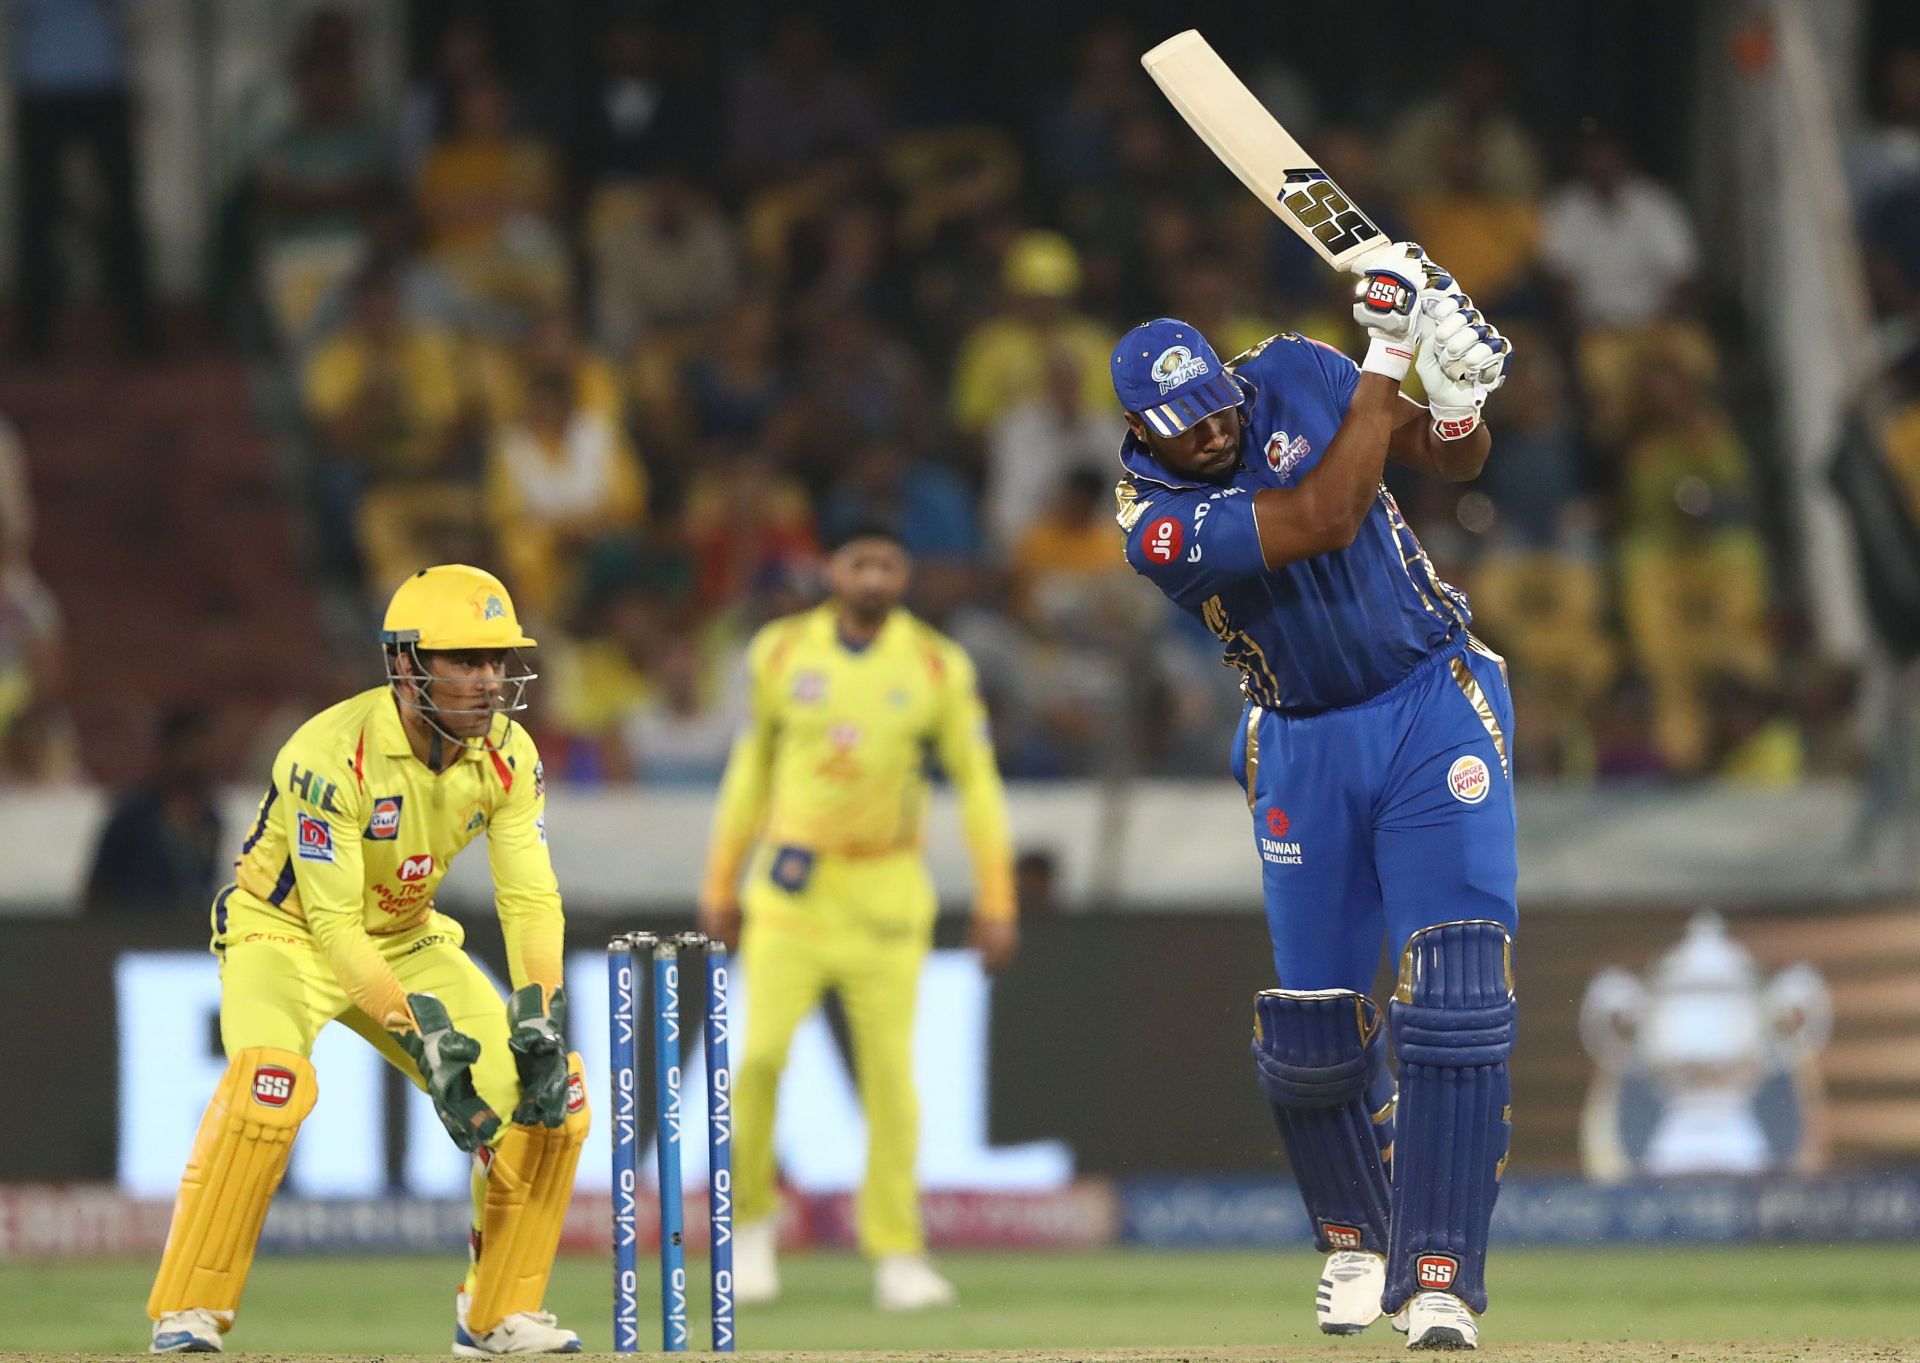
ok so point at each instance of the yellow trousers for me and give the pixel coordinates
(277, 990)
(860, 926)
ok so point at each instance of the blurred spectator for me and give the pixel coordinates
(1036, 884)
(866, 381)
(552, 343)
(315, 180)
(387, 399)
(1204, 291)
(1474, 113)
(793, 104)
(1004, 361)
(1036, 444)
(71, 88)
(1489, 236)
(746, 526)
(1619, 245)
(639, 119)
(161, 848)
(1692, 564)
(490, 198)
(1885, 157)
(1533, 485)
(597, 680)
(1754, 741)
(428, 295)
(1068, 576)
(1078, 130)
(682, 733)
(1626, 746)
(462, 55)
(558, 479)
(40, 746)
(927, 503)
(664, 259)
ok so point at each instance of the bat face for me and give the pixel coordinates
(1253, 145)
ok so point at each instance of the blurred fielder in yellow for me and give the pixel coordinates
(331, 917)
(823, 803)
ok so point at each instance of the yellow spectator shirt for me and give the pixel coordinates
(355, 835)
(835, 758)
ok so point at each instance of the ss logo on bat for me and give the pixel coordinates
(1318, 205)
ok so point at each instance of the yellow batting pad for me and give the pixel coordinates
(529, 1183)
(239, 1156)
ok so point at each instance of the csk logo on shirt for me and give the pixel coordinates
(1175, 365)
(809, 688)
(316, 839)
(384, 826)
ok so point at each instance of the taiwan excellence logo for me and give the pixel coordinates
(1175, 365)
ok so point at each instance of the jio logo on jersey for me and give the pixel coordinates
(1284, 455)
(1162, 540)
(1469, 780)
(416, 868)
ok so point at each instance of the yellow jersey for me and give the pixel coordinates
(835, 756)
(355, 835)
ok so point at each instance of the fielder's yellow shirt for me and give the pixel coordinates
(355, 835)
(835, 757)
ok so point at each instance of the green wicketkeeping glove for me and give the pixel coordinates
(539, 1043)
(445, 1059)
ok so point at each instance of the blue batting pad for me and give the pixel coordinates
(1321, 1059)
(1453, 1027)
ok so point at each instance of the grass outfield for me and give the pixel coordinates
(1816, 1304)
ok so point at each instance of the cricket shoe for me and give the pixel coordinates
(756, 1262)
(193, 1331)
(1350, 1286)
(1440, 1320)
(523, 1332)
(907, 1282)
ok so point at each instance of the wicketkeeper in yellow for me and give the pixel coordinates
(823, 805)
(331, 918)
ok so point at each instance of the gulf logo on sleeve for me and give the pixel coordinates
(384, 826)
(316, 839)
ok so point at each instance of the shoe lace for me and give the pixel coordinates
(1346, 1265)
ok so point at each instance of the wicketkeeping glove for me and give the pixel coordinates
(538, 1039)
(445, 1059)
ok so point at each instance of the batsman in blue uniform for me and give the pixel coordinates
(1375, 749)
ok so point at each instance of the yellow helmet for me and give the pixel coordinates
(453, 606)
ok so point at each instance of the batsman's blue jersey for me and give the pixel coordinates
(1375, 746)
(1309, 636)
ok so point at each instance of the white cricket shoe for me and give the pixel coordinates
(756, 1262)
(523, 1332)
(1350, 1286)
(193, 1331)
(1440, 1320)
(907, 1282)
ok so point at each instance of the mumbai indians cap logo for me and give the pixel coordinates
(1175, 366)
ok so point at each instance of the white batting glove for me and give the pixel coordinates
(1469, 349)
(1454, 402)
(1391, 278)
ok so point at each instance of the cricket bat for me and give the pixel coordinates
(1253, 145)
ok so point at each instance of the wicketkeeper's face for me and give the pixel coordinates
(467, 688)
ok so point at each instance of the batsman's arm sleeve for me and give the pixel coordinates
(965, 745)
(742, 807)
(526, 895)
(323, 807)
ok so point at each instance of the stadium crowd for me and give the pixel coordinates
(644, 347)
